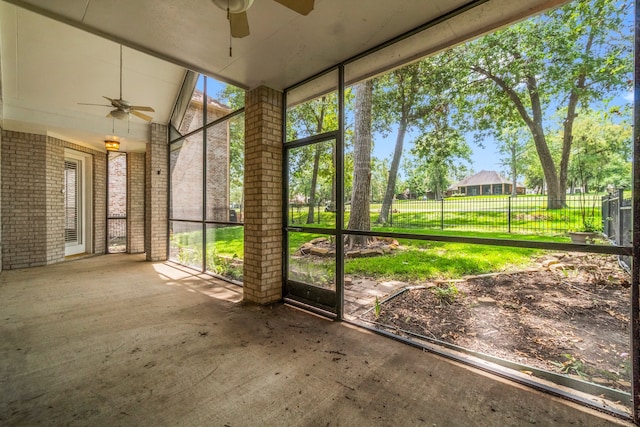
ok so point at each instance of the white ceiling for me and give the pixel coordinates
(48, 67)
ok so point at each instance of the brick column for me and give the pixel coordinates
(135, 202)
(263, 196)
(156, 194)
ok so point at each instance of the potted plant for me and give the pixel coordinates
(588, 232)
(589, 227)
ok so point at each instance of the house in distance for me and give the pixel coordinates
(484, 183)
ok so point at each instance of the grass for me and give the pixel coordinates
(422, 260)
(418, 260)
(528, 215)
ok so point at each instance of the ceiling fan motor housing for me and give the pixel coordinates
(234, 6)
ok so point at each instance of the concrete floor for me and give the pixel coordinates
(114, 340)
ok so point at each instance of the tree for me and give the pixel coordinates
(442, 146)
(379, 178)
(312, 118)
(360, 218)
(601, 153)
(561, 61)
(405, 98)
(512, 147)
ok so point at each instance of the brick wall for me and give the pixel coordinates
(55, 174)
(186, 176)
(263, 196)
(54, 164)
(32, 174)
(156, 194)
(135, 202)
(99, 201)
(24, 200)
(1, 240)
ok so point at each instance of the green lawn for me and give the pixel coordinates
(523, 215)
(417, 259)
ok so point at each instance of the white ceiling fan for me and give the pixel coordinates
(237, 12)
(122, 108)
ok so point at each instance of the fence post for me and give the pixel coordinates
(391, 212)
(609, 218)
(619, 241)
(509, 215)
(442, 213)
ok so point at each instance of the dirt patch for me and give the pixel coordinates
(326, 247)
(570, 315)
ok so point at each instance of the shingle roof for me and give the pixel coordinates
(482, 178)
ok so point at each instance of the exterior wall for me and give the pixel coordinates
(32, 173)
(135, 202)
(24, 219)
(156, 194)
(99, 200)
(1, 240)
(55, 171)
(218, 172)
(187, 176)
(55, 200)
(263, 196)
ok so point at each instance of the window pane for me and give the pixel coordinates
(312, 200)
(566, 322)
(222, 99)
(186, 178)
(312, 260)
(225, 246)
(225, 170)
(312, 109)
(185, 243)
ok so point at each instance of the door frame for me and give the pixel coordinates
(85, 161)
(324, 301)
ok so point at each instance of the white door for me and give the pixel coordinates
(76, 206)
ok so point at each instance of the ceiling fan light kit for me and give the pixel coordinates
(233, 6)
(118, 114)
(123, 109)
(237, 12)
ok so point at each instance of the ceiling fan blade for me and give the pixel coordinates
(303, 7)
(239, 25)
(109, 115)
(141, 108)
(107, 98)
(142, 116)
(97, 105)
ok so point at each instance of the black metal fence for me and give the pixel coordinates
(117, 229)
(522, 214)
(617, 220)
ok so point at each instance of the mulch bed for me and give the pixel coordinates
(570, 315)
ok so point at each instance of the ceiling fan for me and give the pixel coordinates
(122, 108)
(237, 12)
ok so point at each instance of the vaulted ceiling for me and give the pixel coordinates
(55, 54)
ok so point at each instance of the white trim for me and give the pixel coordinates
(86, 192)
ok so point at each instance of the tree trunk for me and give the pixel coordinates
(314, 183)
(393, 172)
(360, 218)
(334, 202)
(316, 163)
